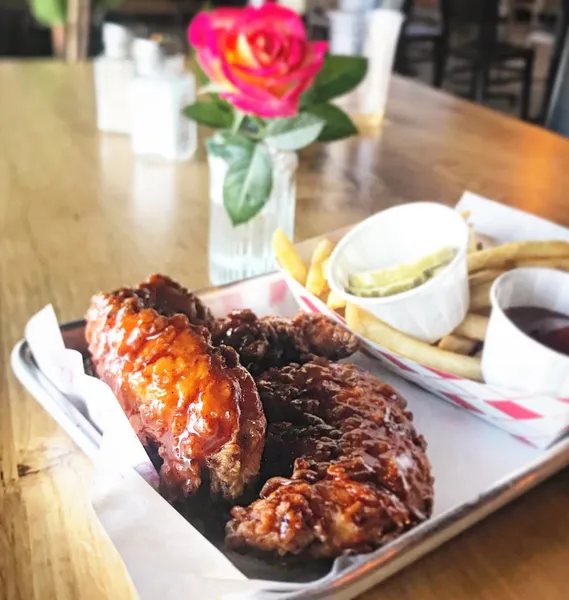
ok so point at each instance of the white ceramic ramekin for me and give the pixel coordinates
(511, 358)
(403, 234)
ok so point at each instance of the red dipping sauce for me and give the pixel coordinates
(545, 326)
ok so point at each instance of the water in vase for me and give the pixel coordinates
(245, 250)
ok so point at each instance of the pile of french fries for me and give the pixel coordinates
(457, 353)
(313, 275)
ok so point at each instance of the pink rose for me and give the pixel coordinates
(259, 57)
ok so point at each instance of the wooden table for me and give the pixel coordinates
(78, 214)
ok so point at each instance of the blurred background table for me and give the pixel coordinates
(503, 53)
(79, 214)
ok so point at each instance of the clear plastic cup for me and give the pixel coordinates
(347, 32)
(375, 35)
(356, 5)
(382, 35)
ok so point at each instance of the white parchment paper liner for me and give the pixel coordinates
(165, 556)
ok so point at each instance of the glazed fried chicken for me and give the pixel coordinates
(266, 342)
(191, 399)
(168, 298)
(345, 469)
(359, 472)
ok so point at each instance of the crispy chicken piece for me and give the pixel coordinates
(191, 399)
(168, 298)
(359, 472)
(266, 342)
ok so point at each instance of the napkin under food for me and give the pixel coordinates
(166, 556)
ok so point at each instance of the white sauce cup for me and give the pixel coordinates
(513, 359)
(404, 234)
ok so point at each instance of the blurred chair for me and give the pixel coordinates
(487, 62)
(424, 38)
(557, 117)
(168, 16)
(561, 35)
(317, 23)
(11, 19)
(468, 51)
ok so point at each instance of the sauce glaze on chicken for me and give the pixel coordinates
(344, 468)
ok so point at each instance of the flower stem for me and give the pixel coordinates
(239, 116)
(260, 126)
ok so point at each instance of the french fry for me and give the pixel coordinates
(335, 301)
(322, 252)
(324, 267)
(473, 327)
(485, 276)
(480, 297)
(457, 344)
(316, 280)
(352, 316)
(473, 244)
(553, 263)
(382, 334)
(325, 293)
(488, 276)
(315, 283)
(499, 256)
(288, 257)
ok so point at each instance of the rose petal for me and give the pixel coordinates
(266, 109)
(312, 63)
(245, 54)
(206, 22)
(296, 51)
(211, 66)
(292, 96)
(255, 87)
(274, 70)
(224, 16)
(199, 29)
(266, 48)
(259, 56)
(271, 16)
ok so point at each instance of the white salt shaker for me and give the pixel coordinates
(113, 74)
(159, 92)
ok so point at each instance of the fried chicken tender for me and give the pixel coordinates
(266, 342)
(169, 298)
(195, 401)
(359, 472)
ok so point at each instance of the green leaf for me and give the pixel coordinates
(294, 132)
(337, 123)
(248, 185)
(230, 146)
(196, 68)
(54, 12)
(338, 76)
(210, 113)
(49, 12)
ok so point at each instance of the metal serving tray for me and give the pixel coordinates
(477, 467)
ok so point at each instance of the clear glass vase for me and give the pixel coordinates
(237, 252)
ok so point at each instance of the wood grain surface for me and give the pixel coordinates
(79, 214)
